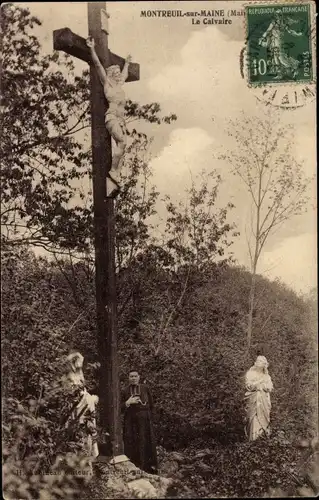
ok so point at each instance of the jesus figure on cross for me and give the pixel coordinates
(112, 80)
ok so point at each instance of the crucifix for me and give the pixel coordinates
(103, 206)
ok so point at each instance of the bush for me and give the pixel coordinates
(65, 479)
(196, 367)
(42, 456)
(194, 364)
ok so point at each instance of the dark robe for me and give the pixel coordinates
(138, 434)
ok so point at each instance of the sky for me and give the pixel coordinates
(193, 70)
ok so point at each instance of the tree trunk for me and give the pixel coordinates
(251, 309)
(254, 263)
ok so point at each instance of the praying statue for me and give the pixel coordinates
(83, 411)
(112, 80)
(138, 434)
(258, 386)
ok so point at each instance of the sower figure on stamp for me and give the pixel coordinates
(112, 80)
(273, 39)
(138, 434)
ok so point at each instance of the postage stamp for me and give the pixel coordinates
(279, 47)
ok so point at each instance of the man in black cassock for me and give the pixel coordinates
(138, 434)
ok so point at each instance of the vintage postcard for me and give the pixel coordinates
(159, 249)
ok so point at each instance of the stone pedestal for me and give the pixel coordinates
(119, 459)
(122, 476)
(142, 488)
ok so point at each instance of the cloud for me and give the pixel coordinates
(294, 261)
(182, 156)
(204, 77)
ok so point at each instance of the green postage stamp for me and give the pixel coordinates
(279, 43)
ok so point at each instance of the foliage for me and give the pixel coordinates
(64, 480)
(182, 304)
(152, 289)
(263, 468)
(135, 204)
(45, 149)
(35, 315)
(196, 374)
(43, 452)
(195, 364)
(198, 233)
(196, 367)
(41, 110)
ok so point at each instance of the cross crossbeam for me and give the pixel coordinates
(64, 39)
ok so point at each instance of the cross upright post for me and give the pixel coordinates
(104, 241)
(104, 224)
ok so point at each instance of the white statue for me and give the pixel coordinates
(112, 80)
(258, 387)
(84, 410)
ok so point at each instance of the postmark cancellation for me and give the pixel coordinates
(280, 51)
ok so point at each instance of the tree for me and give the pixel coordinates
(275, 182)
(196, 237)
(41, 111)
(135, 204)
(197, 232)
(45, 150)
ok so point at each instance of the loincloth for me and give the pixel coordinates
(113, 116)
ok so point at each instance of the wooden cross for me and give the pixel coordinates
(104, 232)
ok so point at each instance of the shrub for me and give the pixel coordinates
(42, 456)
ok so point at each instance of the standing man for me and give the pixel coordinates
(138, 434)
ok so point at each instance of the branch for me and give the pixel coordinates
(71, 328)
(74, 291)
(124, 304)
(265, 323)
(246, 145)
(76, 321)
(249, 247)
(170, 317)
(265, 191)
(69, 131)
(78, 130)
(279, 218)
(277, 201)
(25, 146)
(13, 209)
(237, 171)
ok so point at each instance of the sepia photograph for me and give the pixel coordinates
(159, 249)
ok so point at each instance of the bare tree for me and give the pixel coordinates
(276, 184)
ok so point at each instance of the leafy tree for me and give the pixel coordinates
(41, 111)
(198, 233)
(275, 181)
(135, 204)
(45, 151)
(169, 268)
